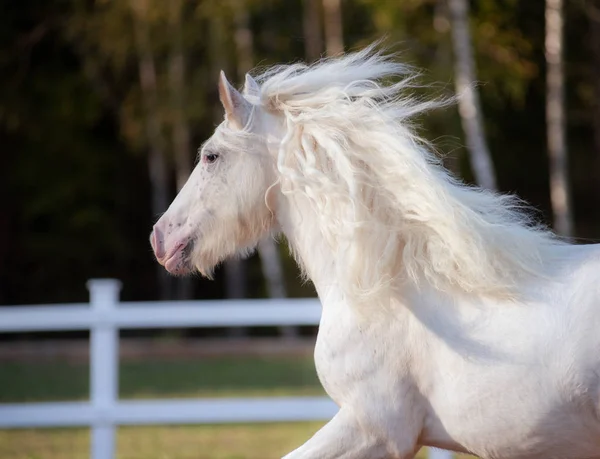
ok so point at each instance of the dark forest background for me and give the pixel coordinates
(80, 122)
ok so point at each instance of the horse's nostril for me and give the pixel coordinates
(157, 242)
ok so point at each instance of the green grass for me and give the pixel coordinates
(269, 376)
(223, 377)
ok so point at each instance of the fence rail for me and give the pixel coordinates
(105, 315)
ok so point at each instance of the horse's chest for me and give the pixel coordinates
(347, 356)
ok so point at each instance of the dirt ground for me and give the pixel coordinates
(131, 349)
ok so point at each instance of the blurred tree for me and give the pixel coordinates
(267, 248)
(158, 103)
(235, 269)
(313, 36)
(180, 129)
(74, 169)
(178, 91)
(157, 164)
(61, 165)
(593, 13)
(555, 119)
(469, 105)
(272, 269)
(333, 22)
(244, 38)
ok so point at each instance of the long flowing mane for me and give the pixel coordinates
(387, 208)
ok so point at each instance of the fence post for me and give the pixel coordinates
(104, 365)
(435, 453)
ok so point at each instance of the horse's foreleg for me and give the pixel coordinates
(343, 438)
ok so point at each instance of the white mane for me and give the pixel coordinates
(386, 207)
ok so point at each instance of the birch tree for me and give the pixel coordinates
(334, 36)
(469, 105)
(555, 119)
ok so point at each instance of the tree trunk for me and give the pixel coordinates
(555, 119)
(157, 164)
(244, 40)
(469, 106)
(441, 64)
(334, 36)
(234, 269)
(311, 22)
(272, 269)
(594, 15)
(273, 273)
(180, 129)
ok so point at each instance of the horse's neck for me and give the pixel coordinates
(300, 228)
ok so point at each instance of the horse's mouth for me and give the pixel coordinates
(179, 262)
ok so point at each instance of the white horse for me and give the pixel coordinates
(449, 319)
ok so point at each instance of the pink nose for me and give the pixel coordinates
(157, 241)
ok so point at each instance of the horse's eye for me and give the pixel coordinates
(210, 157)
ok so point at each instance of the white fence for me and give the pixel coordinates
(104, 316)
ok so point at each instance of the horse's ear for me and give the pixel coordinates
(237, 108)
(251, 87)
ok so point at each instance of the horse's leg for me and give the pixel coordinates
(343, 438)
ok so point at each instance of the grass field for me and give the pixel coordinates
(272, 376)
(222, 377)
